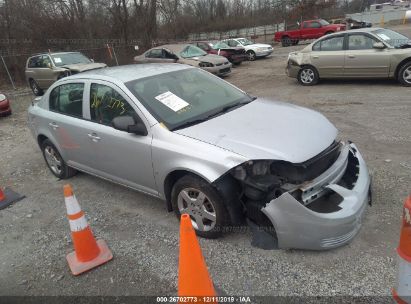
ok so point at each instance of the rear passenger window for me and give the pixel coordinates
(67, 99)
(330, 44)
(33, 62)
(106, 104)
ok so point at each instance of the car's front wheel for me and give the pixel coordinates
(35, 88)
(193, 196)
(55, 162)
(308, 76)
(251, 55)
(404, 74)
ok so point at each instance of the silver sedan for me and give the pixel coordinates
(208, 149)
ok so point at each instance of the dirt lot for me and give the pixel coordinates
(34, 233)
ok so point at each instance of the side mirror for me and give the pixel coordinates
(379, 45)
(128, 124)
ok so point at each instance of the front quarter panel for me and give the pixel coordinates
(172, 152)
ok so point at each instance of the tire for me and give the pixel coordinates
(308, 76)
(404, 74)
(251, 56)
(285, 41)
(296, 41)
(55, 162)
(37, 91)
(184, 198)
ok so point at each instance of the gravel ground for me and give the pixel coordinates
(34, 233)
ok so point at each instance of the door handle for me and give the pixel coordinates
(94, 137)
(54, 125)
(351, 56)
(316, 57)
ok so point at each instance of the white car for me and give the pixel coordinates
(253, 50)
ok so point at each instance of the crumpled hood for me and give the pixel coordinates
(81, 67)
(264, 129)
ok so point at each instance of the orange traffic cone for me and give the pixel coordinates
(8, 197)
(193, 277)
(2, 195)
(402, 292)
(88, 253)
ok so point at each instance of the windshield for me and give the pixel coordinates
(179, 98)
(323, 22)
(192, 51)
(392, 38)
(69, 58)
(220, 45)
(245, 41)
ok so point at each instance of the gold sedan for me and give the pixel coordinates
(363, 53)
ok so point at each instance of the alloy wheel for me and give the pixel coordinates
(53, 160)
(307, 76)
(200, 208)
(251, 56)
(407, 75)
(35, 88)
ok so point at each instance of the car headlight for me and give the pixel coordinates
(205, 64)
(2, 97)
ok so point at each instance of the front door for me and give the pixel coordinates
(362, 60)
(118, 155)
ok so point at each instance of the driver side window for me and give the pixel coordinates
(106, 104)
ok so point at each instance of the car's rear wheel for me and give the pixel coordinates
(404, 74)
(55, 162)
(193, 196)
(285, 41)
(251, 55)
(308, 76)
(35, 88)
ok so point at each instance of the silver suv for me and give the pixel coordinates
(42, 70)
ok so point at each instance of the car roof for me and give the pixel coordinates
(126, 73)
(173, 47)
(53, 53)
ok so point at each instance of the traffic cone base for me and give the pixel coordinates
(397, 298)
(8, 197)
(78, 267)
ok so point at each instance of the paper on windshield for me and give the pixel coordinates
(57, 60)
(172, 101)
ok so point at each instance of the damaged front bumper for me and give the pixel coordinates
(298, 225)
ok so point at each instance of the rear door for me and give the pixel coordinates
(68, 126)
(155, 56)
(41, 70)
(362, 60)
(328, 56)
